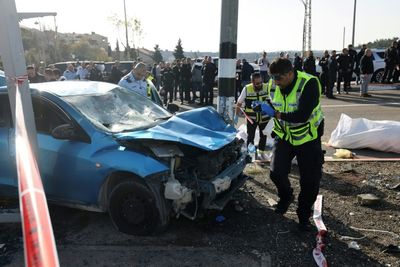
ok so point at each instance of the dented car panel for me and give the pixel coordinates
(203, 128)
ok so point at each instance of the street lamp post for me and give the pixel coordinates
(354, 22)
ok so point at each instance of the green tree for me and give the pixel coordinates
(178, 52)
(157, 56)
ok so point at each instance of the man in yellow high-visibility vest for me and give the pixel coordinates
(298, 127)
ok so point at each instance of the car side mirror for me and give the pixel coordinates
(172, 108)
(64, 132)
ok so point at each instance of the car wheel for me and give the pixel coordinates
(133, 209)
(377, 77)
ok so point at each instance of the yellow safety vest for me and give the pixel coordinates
(295, 133)
(252, 95)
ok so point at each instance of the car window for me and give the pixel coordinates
(381, 54)
(5, 111)
(118, 110)
(47, 115)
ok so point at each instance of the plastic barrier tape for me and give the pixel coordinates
(39, 243)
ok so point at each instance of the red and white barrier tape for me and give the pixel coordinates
(246, 116)
(322, 231)
(39, 244)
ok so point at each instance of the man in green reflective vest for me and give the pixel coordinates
(298, 127)
(256, 91)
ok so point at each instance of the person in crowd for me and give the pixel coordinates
(34, 76)
(196, 80)
(353, 56)
(247, 70)
(298, 62)
(209, 72)
(168, 83)
(345, 70)
(186, 77)
(83, 72)
(94, 73)
(57, 75)
(298, 127)
(49, 75)
(323, 62)
(254, 91)
(396, 74)
(332, 74)
(366, 71)
(264, 65)
(116, 74)
(135, 80)
(309, 64)
(360, 54)
(70, 73)
(391, 58)
(238, 86)
(176, 68)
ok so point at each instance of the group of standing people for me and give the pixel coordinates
(186, 78)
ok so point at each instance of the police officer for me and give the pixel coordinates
(298, 127)
(323, 62)
(254, 91)
(135, 80)
(168, 79)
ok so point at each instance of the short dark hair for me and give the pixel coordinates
(281, 66)
(255, 75)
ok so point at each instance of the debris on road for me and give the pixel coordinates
(368, 199)
(354, 245)
(344, 154)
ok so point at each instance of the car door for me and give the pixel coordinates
(64, 164)
(8, 171)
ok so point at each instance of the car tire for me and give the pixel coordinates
(377, 76)
(133, 209)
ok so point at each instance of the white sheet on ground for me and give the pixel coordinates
(363, 133)
(242, 133)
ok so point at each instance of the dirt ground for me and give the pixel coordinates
(250, 234)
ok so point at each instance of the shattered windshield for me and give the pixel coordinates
(118, 110)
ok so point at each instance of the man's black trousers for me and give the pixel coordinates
(251, 132)
(309, 159)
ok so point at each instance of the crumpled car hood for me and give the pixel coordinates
(203, 128)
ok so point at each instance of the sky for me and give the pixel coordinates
(263, 25)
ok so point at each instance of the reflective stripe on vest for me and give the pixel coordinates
(252, 95)
(295, 133)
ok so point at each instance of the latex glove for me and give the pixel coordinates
(235, 119)
(255, 105)
(267, 109)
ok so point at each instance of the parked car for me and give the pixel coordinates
(124, 66)
(379, 65)
(104, 148)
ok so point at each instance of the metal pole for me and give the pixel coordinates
(227, 58)
(12, 54)
(344, 36)
(309, 25)
(354, 22)
(126, 33)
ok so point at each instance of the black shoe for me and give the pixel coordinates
(283, 205)
(304, 226)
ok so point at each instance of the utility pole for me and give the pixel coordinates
(354, 22)
(306, 26)
(227, 58)
(126, 34)
(344, 36)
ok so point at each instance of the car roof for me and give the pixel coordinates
(73, 88)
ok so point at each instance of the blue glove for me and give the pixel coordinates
(255, 104)
(267, 109)
(235, 119)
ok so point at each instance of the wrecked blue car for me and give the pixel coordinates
(105, 148)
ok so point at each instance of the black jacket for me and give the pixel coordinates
(323, 62)
(209, 71)
(115, 75)
(367, 65)
(345, 63)
(298, 63)
(247, 70)
(309, 65)
(391, 56)
(168, 78)
(332, 65)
